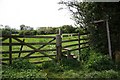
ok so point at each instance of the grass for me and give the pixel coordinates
(64, 69)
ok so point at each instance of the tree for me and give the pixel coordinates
(67, 29)
(26, 30)
(8, 30)
(22, 27)
(7, 27)
(84, 13)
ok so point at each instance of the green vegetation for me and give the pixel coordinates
(91, 64)
(95, 66)
(86, 13)
(94, 63)
(7, 30)
(27, 30)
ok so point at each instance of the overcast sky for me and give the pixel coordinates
(34, 13)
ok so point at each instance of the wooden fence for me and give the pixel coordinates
(81, 41)
(12, 41)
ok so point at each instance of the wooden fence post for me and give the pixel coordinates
(58, 47)
(60, 31)
(10, 50)
(108, 37)
(79, 45)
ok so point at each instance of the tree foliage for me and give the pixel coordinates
(23, 27)
(67, 29)
(84, 13)
(47, 30)
(8, 30)
(55, 30)
(27, 30)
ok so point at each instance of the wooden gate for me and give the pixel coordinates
(38, 49)
(31, 44)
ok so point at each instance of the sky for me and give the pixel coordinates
(34, 13)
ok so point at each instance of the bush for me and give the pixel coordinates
(84, 55)
(71, 74)
(5, 32)
(52, 66)
(34, 32)
(99, 62)
(70, 64)
(46, 30)
(111, 74)
(78, 29)
(22, 64)
(9, 31)
(61, 66)
(21, 32)
(28, 74)
(41, 32)
(67, 29)
(22, 69)
(27, 32)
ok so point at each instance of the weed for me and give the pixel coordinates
(22, 64)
